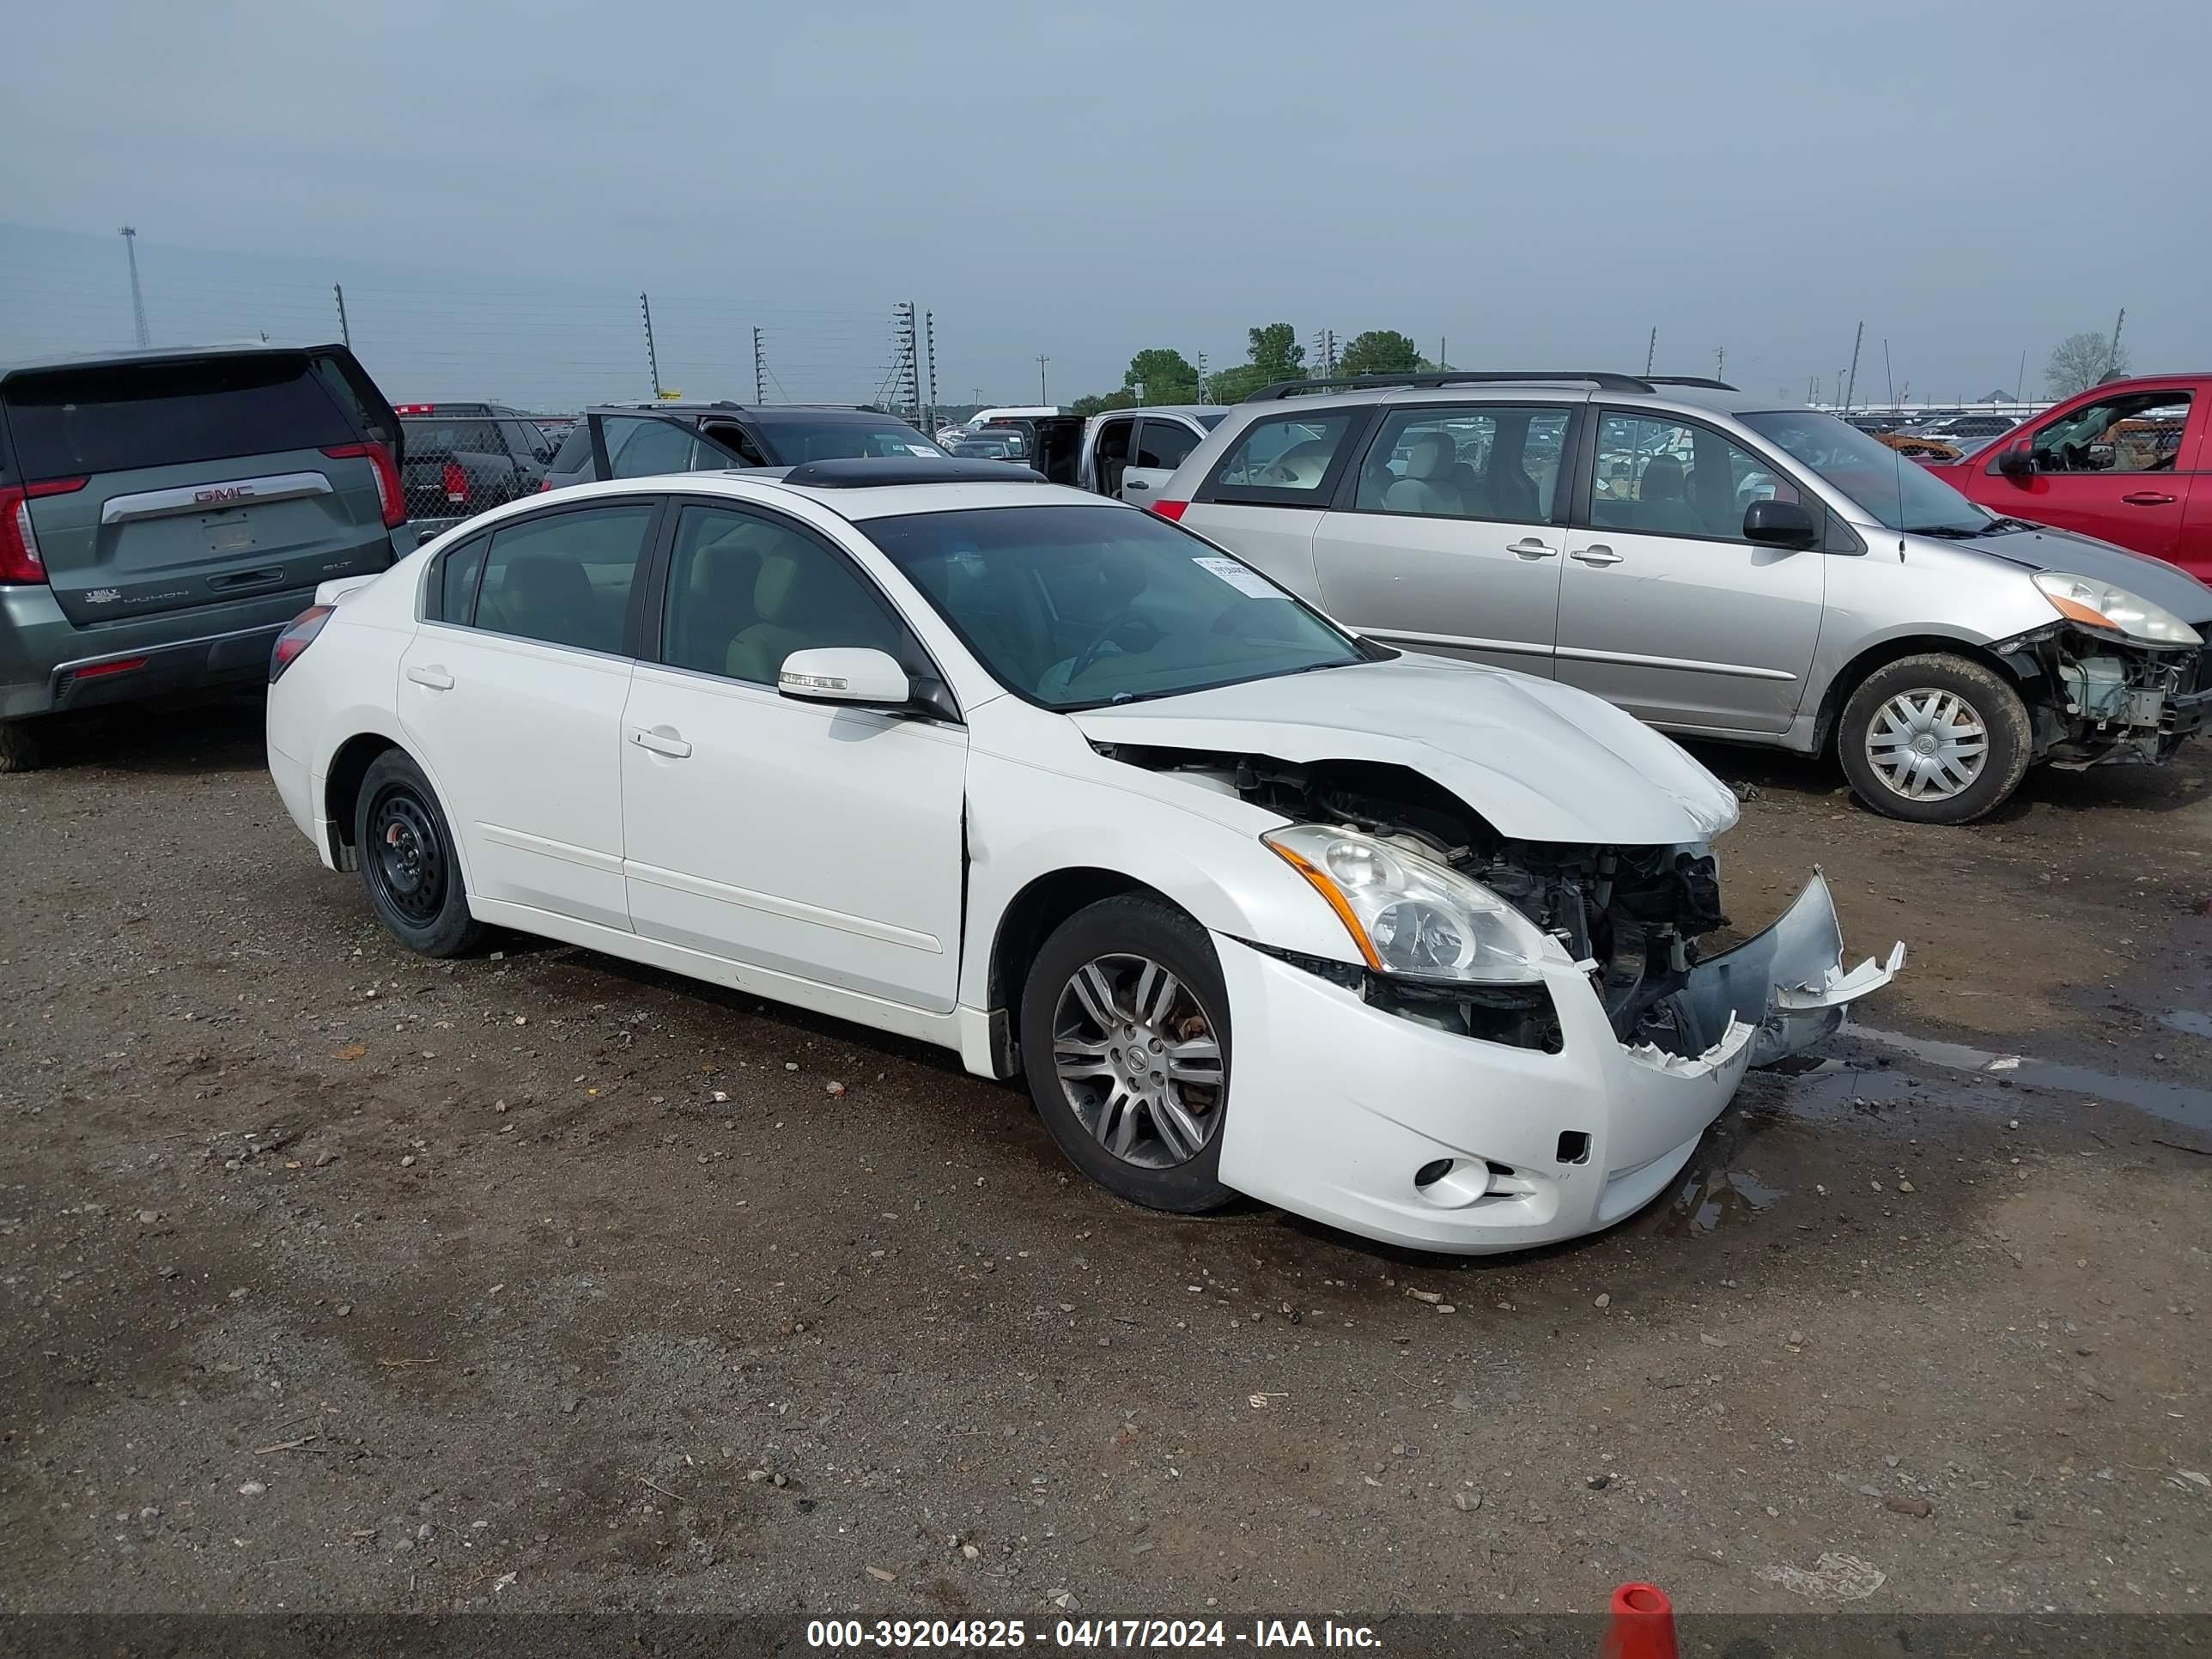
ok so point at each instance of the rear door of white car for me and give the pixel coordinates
(808, 839)
(512, 692)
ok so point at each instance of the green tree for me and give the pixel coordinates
(1276, 352)
(1233, 385)
(1380, 351)
(1165, 374)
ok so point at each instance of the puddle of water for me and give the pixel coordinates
(2176, 1103)
(2188, 1020)
(1831, 1086)
(1723, 1194)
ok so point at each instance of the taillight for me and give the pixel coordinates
(457, 484)
(389, 499)
(19, 538)
(297, 638)
(544, 484)
(1169, 510)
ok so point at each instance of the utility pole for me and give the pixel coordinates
(1886, 379)
(760, 370)
(1041, 361)
(1719, 361)
(1204, 390)
(652, 359)
(1442, 361)
(929, 334)
(1850, 390)
(345, 334)
(138, 299)
(906, 379)
(1651, 351)
(2020, 385)
(2112, 352)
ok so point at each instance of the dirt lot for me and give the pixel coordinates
(333, 1278)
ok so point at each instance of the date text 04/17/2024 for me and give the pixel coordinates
(902, 1634)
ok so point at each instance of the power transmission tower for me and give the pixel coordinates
(138, 301)
(760, 370)
(1324, 344)
(1720, 362)
(1651, 351)
(652, 359)
(345, 334)
(2112, 352)
(1851, 387)
(1205, 391)
(906, 378)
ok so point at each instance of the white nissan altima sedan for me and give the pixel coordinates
(1251, 905)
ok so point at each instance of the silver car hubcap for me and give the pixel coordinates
(1928, 745)
(1139, 1060)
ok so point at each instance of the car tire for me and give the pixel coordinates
(23, 746)
(407, 860)
(1150, 1132)
(1935, 739)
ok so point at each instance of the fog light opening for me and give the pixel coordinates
(1431, 1172)
(1574, 1147)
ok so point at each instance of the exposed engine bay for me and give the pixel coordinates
(2106, 701)
(1636, 913)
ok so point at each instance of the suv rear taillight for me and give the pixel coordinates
(297, 638)
(19, 541)
(1169, 510)
(389, 499)
(456, 482)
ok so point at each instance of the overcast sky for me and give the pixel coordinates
(1539, 184)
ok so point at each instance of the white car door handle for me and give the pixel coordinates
(661, 743)
(1596, 553)
(436, 678)
(1529, 548)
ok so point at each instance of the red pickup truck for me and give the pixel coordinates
(2129, 462)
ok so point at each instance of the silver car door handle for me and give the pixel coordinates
(1596, 553)
(1529, 548)
(675, 748)
(436, 678)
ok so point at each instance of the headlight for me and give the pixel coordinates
(2099, 604)
(1410, 915)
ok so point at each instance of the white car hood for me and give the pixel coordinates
(1538, 760)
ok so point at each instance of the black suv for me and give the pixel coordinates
(463, 457)
(644, 441)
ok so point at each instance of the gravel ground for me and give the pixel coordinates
(331, 1278)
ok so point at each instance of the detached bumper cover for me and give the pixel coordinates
(1339, 1104)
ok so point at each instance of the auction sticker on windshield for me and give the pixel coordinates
(1243, 580)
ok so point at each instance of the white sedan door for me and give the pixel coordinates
(806, 839)
(512, 693)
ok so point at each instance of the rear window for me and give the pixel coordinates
(798, 441)
(576, 453)
(428, 437)
(1291, 459)
(113, 417)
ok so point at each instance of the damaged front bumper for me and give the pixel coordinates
(1357, 1117)
(2095, 700)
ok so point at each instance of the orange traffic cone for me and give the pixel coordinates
(1643, 1625)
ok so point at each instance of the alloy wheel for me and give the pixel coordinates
(1139, 1060)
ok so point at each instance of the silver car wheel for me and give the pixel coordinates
(1927, 744)
(1139, 1060)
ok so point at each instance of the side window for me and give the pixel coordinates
(523, 441)
(1497, 462)
(1663, 478)
(2138, 433)
(739, 442)
(745, 592)
(1285, 460)
(1113, 440)
(1164, 444)
(454, 598)
(564, 578)
(575, 454)
(646, 449)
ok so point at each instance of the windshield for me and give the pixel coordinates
(1895, 491)
(798, 441)
(1075, 606)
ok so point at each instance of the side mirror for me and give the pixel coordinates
(845, 674)
(1779, 524)
(2016, 461)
